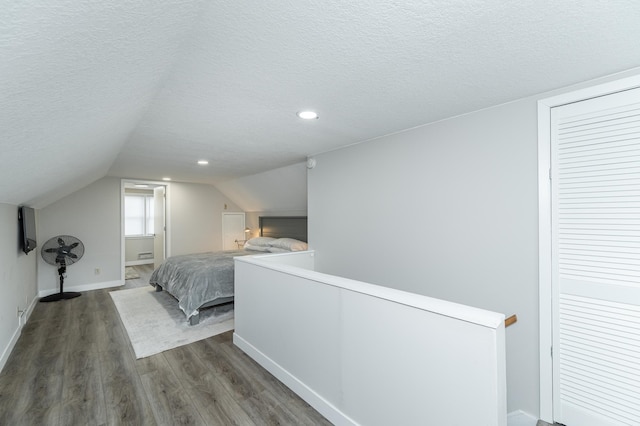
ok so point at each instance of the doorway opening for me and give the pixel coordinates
(144, 223)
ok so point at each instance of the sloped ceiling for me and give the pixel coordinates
(143, 89)
(279, 190)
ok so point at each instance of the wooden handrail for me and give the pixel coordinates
(511, 320)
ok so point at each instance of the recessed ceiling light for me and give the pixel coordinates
(203, 162)
(166, 178)
(308, 115)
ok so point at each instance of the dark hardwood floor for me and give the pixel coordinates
(74, 365)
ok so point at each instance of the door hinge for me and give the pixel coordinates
(549, 173)
(551, 351)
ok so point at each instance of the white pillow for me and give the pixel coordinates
(260, 241)
(289, 244)
(248, 246)
(278, 250)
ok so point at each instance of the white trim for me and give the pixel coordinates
(22, 320)
(544, 225)
(25, 317)
(324, 407)
(544, 260)
(7, 351)
(84, 287)
(122, 237)
(473, 315)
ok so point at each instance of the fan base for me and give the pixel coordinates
(60, 296)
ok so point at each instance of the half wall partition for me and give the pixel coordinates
(366, 354)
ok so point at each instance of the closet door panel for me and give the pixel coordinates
(595, 146)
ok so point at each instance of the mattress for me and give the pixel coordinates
(197, 279)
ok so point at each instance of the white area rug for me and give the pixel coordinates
(155, 323)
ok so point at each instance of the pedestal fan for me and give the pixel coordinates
(62, 251)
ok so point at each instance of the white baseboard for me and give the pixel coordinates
(84, 287)
(333, 414)
(22, 320)
(521, 418)
(9, 348)
(28, 312)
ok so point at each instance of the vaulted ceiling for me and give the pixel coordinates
(144, 89)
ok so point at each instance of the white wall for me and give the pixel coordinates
(195, 215)
(448, 210)
(333, 355)
(278, 192)
(273, 192)
(135, 245)
(17, 279)
(91, 214)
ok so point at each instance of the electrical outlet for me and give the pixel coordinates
(97, 271)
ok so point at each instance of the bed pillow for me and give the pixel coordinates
(278, 250)
(260, 241)
(289, 244)
(251, 247)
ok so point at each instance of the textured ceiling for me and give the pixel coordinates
(143, 89)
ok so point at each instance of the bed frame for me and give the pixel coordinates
(270, 226)
(284, 227)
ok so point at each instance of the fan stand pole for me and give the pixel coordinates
(62, 295)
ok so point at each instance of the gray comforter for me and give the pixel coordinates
(196, 279)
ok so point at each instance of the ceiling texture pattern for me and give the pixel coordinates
(143, 89)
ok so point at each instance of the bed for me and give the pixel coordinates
(204, 280)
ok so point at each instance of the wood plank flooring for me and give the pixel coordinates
(74, 365)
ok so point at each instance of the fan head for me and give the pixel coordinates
(62, 250)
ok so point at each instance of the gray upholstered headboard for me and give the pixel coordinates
(284, 227)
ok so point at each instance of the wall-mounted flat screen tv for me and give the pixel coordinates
(27, 219)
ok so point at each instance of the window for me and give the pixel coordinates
(138, 215)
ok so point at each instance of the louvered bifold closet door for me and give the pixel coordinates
(596, 260)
